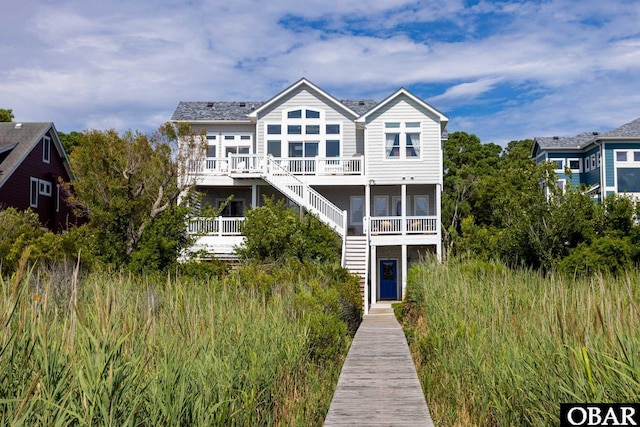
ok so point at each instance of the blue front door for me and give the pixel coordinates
(389, 279)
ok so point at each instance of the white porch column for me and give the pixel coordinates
(374, 275)
(367, 200)
(254, 195)
(403, 198)
(404, 271)
(438, 222)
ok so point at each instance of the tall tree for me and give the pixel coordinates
(6, 115)
(127, 182)
(467, 162)
(69, 140)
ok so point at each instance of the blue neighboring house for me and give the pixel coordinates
(605, 163)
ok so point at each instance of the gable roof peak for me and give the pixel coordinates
(302, 82)
(402, 91)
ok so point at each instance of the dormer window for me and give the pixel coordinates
(46, 149)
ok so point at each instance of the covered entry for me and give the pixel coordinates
(388, 274)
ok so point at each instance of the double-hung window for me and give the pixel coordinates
(46, 149)
(402, 140)
(34, 191)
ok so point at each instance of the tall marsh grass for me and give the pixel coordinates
(495, 347)
(160, 351)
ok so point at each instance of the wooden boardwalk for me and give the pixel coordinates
(378, 384)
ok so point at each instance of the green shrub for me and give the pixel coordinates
(22, 229)
(275, 231)
(612, 255)
(203, 270)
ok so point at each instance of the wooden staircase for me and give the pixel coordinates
(354, 248)
(303, 195)
(356, 259)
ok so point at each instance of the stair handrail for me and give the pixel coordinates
(334, 216)
(343, 262)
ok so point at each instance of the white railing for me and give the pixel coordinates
(220, 226)
(253, 163)
(411, 225)
(245, 163)
(322, 165)
(303, 195)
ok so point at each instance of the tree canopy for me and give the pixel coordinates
(6, 115)
(494, 207)
(129, 186)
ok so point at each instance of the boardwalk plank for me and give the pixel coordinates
(378, 384)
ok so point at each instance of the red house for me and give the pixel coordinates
(32, 163)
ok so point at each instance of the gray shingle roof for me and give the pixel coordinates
(238, 110)
(214, 110)
(578, 141)
(24, 138)
(631, 129)
(359, 106)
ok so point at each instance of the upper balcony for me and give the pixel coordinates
(252, 165)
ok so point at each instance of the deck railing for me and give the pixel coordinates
(220, 226)
(411, 225)
(303, 195)
(253, 163)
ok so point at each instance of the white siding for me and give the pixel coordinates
(386, 171)
(306, 98)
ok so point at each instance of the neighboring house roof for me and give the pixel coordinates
(579, 142)
(18, 139)
(629, 130)
(402, 91)
(576, 142)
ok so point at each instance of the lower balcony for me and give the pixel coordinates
(220, 226)
(391, 225)
(394, 225)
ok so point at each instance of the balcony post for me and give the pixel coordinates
(403, 198)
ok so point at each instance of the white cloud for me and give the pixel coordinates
(127, 64)
(467, 91)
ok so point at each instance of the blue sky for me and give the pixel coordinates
(502, 70)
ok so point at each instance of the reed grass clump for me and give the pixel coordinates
(498, 347)
(119, 349)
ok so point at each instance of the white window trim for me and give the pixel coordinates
(402, 131)
(572, 159)
(386, 205)
(563, 162)
(630, 163)
(320, 138)
(46, 149)
(34, 192)
(44, 188)
(415, 203)
(57, 197)
(352, 210)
